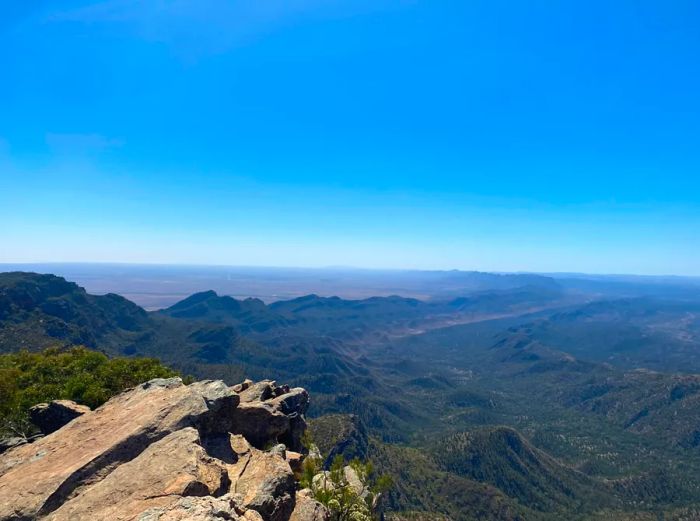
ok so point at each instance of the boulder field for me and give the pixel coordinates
(165, 451)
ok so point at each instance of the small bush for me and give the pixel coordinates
(342, 499)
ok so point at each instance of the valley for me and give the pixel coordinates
(525, 402)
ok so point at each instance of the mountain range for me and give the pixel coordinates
(533, 398)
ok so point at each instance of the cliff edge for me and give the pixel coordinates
(166, 451)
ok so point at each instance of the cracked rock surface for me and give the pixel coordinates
(165, 451)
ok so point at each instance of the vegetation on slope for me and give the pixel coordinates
(504, 458)
(79, 374)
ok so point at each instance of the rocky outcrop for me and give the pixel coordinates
(50, 417)
(263, 481)
(169, 469)
(308, 509)
(296, 461)
(350, 479)
(164, 451)
(270, 414)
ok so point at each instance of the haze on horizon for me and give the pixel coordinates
(413, 134)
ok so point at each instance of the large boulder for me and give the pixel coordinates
(269, 414)
(256, 392)
(263, 481)
(296, 463)
(323, 481)
(156, 480)
(196, 508)
(354, 482)
(261, 424)
(50, 417)
(308, 509)
(36, 479)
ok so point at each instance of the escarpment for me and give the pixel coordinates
(166, 451)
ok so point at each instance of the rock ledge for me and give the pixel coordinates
(164, 451)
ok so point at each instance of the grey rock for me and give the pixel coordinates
(260, 423)
(164, 476)
(49, 417)
(307, 508)
(269, 414)
(258, 392)
(12, 442)
(263, 481)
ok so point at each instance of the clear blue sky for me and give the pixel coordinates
(491, 135)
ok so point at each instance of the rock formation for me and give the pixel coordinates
(50, 417)
(267, 411)
(307, 508)
(165, 451)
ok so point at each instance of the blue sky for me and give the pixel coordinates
(509, 136)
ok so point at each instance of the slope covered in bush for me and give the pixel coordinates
(80, 374)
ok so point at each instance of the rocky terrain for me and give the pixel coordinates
(165, 451)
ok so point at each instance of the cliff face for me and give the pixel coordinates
(165, 451)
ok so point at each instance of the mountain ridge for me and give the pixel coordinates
(505, 381)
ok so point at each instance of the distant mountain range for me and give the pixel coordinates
(160, 286)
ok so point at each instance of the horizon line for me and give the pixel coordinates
(348, 268)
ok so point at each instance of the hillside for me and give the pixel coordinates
(495, 404)
(503, 458)
(38, 310)
(661, 334)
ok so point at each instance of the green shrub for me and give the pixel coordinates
(342, 499)
(80, 374)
